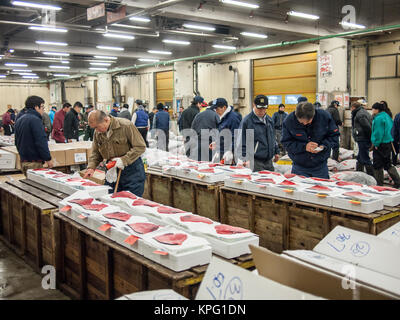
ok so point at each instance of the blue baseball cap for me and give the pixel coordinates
(302, 99)
(219, 102)
(198, 99)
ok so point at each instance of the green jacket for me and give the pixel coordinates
(381, 129)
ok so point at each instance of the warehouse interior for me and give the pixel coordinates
(108, 53)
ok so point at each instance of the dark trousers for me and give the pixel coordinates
(363, 153)
(335, 154)
(143, 132)
(318, 172)
(260, 165)
(7, 129)
(382, 156)
(88, 134)
(132, 179)
(161, 144)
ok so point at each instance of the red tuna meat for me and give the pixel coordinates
(347, 183)
(90, 184)
(226, 229)
(320, 179)
(243, 176)
(144, 202)
(95, 207)
(207, 170)
(74, 179)
(143, 227)
(121, 216)
(82, 202)
(171, 238)
(168, 210)
(287, 183)
(380, 189)
(320, 188)
(265, 180)
(124, 194)
(355, 194)
(193, 218)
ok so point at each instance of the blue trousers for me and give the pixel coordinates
(317, 172)
(363, 153)
(132, 179)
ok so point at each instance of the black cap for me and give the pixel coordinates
(198, 99)
(219, 102)
(302, 99)
(261, 101)
(138, 101)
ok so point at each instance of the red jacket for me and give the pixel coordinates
(6, 119)
(58, 124)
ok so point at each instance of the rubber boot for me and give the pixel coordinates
(395, 177)
(379, 176)
(370, 170)
(359, 166)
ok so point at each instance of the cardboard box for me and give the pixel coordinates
(7, 160)
(98, 176)
(75, 156)
(310, 279)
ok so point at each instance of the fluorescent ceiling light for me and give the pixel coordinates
(303, 15)
(35, 5)
(27, 74)
(352, 25)
(118, 36)
(110, 48)
(99, 69)
(195, 26)
(254, 35)
(21, 70)
(220, 46)
(106, 57)
(129, 26)
(15, 64)
(11, 50)
(104, 61)
(241, 4)
(65, 62)
(140, 19)
(100, 64)
(50, 29)
(2, 76)
(58, 67)
(30, 77)
(148, 60)
(62, 54)
(159, 52)
(61, 75)
(184, 43)
(50, 43)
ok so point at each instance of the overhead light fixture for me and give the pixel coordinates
(198, 27)
(118, 36)
(21, 70)
(9, 64)
(35, 5)
(11, 50)
(110, 48)
(61, 75)
(100, 64)
(254, 35)
(159, 52)
(62, 54)
(106, 57)
(65, 62)
(51, 43)
(129, 26)
(99, 69)
(50, 29)
(140, 19)
(30, 77)
(241, 4)
(220, 46)
(303, 15)
(59, 67)
(352, 25)
(27, 74)
(2, 76)
(148, 60)
(184, 43)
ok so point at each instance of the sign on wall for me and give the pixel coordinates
(274, 99)
(325, 66)
(292, 98)
(96, 12)
(322, 98)
(339, 97)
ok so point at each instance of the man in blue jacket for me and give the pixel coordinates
(278, 118)
(161, 124)
(30, 137)
(309, 136)
(264, 143)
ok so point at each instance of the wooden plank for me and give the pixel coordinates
(45, 196)
(53, 192)
(82, 266)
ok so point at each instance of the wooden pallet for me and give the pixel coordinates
(91, 266)
(26, 221)
(186, 194)
(284, 224)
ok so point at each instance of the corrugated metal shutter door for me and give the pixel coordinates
(294, 74)
(165, 87)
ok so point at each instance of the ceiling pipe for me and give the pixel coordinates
(219, 54)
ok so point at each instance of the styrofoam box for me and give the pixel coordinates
(322, 197)
(390, 198)
(392, 234)
(358, 204)
(288, 192)
(7, 160)
(218, 176)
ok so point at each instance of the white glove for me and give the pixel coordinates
(111, 175)
(239, 163)
(228, 157)
(119, 164)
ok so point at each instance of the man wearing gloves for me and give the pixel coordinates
(265, 146)
(117, 139)
(309, 135)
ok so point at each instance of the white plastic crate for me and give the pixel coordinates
(358, 201)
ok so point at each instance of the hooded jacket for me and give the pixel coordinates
(278, 119)
(381, 129)
(361, 124)
(230, 121)
(188, 116)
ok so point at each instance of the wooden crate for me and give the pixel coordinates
(185, 194)
(91, 266)
(26, 215)
(283, 224)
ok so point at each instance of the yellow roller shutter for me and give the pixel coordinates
(165, 87)
(287, 75)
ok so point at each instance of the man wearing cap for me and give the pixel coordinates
(264, 143)
(188, 116)
(334, 112)
(161, 125)
(114, 110)
(308, 136)
(141, 120)
(205, 124)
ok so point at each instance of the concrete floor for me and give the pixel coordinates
(18, 281)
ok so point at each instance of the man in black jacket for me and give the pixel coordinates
(188, 116)
(30, 137)
(334, 112)
(361, 122)
(71, 123)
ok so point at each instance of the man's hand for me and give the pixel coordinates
(372, 147)
(69, 140)
(49, 164)
(310, 147)
(89, 173)
(213, 146)
(119, 164)
(320, 149)
(276, 158)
